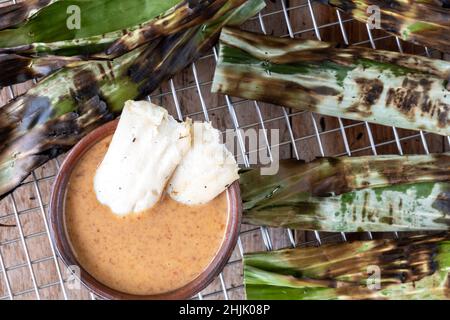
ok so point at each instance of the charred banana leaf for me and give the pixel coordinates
(406, 269)
(383, 87)
(349, 194)
(58, 111)
(17, 68)
(425, 22)
(183, 16)
(16, 13)
(186, 14)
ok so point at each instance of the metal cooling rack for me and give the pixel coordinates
(23, 279)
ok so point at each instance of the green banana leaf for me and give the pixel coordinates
(101, 23)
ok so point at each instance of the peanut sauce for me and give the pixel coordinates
(156, 251)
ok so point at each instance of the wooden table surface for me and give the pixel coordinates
(30, 200)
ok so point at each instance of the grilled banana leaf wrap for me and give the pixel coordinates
(36, 49)
(384, 87)
(425, 22)
(349, 194)
(414, 268)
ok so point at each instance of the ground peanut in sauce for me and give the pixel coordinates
(152, 252)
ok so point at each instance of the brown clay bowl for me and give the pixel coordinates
(61, 241)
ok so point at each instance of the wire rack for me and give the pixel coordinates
(29, 265)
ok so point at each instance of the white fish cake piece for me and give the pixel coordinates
(145, 150)
(206, 170)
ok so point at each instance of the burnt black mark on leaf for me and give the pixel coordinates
(364, 209)
(365, 184)
(102, 70)
(442, 203)
(387, 220)
(186, 14)
(86, 85)
(14, 14)
(15, 69)
(419, 257)
(371, 214)
(87, 94)
(111, 69)
(334, 161)
(21, 115)
(325, 91)
(391, 214)
(369, 92)
(414, 96)
(20, 68)
(161, 50)
(399, 171)
(37, 111)
(343, 5)
(443, 117)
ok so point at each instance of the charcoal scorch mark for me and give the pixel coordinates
(414, 96)
(370, 91)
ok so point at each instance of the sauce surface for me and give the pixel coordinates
(152, 252)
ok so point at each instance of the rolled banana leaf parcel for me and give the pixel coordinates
(383, 87)
(36, 49)
(415, 268)
(52, 116)
(42, 42)
(350, 194)
(425, 22)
